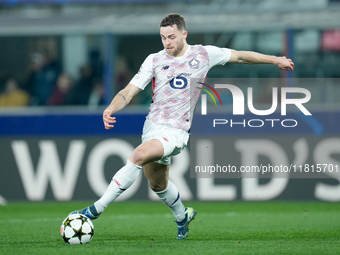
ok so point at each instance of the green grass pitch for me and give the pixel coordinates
(148, 228)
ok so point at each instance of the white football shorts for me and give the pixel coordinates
(174, 140)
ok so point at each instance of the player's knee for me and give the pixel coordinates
(138, 157)
(157, 187)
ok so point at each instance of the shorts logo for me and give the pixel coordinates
(165, 139)
(179, 82)
(194, 63)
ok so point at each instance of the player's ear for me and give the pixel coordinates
(185, 34)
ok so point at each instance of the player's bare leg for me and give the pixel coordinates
(157, 175)
(147, 152)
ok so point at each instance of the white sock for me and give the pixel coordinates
(170, 197)
(121, 181)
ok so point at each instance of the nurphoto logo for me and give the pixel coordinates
(289, 96)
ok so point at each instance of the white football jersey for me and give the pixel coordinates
(175, 82)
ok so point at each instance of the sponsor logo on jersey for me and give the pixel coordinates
(178, 82)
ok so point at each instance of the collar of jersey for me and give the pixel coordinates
(185, 53)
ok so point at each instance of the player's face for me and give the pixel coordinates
(173, 40)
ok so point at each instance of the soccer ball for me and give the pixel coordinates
(77, 229)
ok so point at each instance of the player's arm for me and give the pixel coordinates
(251, 57)
(121, 100)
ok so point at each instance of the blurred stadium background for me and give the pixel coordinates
(61, 61)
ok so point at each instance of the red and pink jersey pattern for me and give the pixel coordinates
(175, 82)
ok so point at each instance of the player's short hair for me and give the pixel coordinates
(173, 19)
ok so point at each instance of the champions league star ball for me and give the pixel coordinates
(77, 229)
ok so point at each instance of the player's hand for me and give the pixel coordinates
(108, 119)
(285, 64)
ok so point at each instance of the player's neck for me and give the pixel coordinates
(183, 51)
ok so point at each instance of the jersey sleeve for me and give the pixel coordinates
(145, 73)
(217, 56)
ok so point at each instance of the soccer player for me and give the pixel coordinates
(174, 72)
